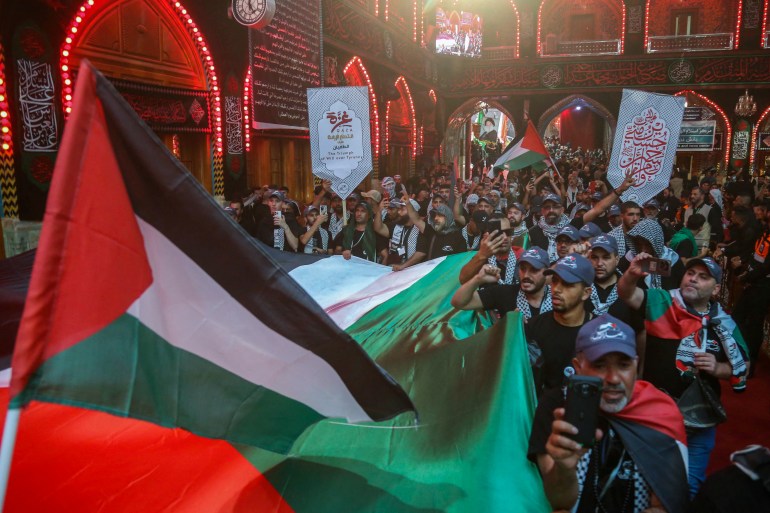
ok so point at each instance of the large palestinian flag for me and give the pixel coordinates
(147, 301)
(527, 151)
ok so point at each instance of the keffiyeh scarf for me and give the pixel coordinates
(279, 238)
(320, 234)
(551, 231)
(472, 246)
(335, 225)
(509, 277)
(599, 307)
(397, 240)
(524, 307)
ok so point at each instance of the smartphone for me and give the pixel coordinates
(581, 408)
(657, 266)
(277, 214)
(492, 225)
(323, 209)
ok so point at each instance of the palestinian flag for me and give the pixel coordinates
(652, 431)
(147, 301)
(472, 387)
(527, 151)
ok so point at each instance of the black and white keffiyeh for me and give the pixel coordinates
(401, 232)
(551, 231)
(311, 244)
(526, 310)
(279, 238)
(472, 246)
(335, 225)
(509, 276)
(620, 237)
(599, 307)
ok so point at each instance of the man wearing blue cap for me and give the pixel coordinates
(554, 332)
(566, 241)
(688, 336)
(636, 464)
(531, 296)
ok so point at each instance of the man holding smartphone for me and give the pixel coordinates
(636, 464)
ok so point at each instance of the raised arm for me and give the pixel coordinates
(608, 200)
(379, 226)
(414, 216)
(467, 296)
(627, 289)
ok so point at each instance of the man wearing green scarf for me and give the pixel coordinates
(683, 241)
(359, 238)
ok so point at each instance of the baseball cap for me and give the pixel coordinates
(353, 196)
(603, 335)
(486, 199)
(607, 242)
(374, 194)
(518, 206)
(589, 230)
(277, 194)
(395, 203)
(536, 256)
(614, 210)
(597, 196)
(415, 205)
(309, 209)
(573, 268)
(472, 199)
(713, 268)
(569, 231)
(479, 217)
(652, 204)
(536, 203)
(551, 197)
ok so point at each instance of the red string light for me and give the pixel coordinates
(405, 93)
(764, 25)
(518, 30)
(755, 136)
(246, 109)
(192, 29)
(738, 25)
(540, 25)
(356, 61)
(646, 24)
(714, 106)
(414, 21)
(622, 27)
(6, 137)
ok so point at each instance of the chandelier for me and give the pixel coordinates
(746, 106)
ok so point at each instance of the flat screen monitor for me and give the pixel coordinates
(458, 33)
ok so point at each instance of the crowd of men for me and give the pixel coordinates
(650, 282)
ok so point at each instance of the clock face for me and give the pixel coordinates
(253, 12)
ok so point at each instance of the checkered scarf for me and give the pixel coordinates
(509, 276)
(551, 231)
(523, 305)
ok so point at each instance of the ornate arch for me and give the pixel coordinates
(573, 101)
(755, 136)
(457, 120)
(356, 74)
(518, 29)
(619, 5)
(181, 28)
(408, 115)
(718, 109)
(9, 200)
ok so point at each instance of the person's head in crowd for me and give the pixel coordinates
(631, 213)
(423, 193)
(667, 192)
(605, 348)
(236, 206)
(741, 215)
(742, 199)
(760, 210)
(604, 257)
(552, 208)
(651, 209)
(477, 222)
(701, 282)
(442, 219)
(536, 207)
(311, 214)
(589, 231)
(647, 237)
(494, 196)
(284, 190)
(437, 201)
(352, 200)
(291, 209)
(506, 233)
(596, 198)
(695, 223)
(470, 202)
(335, 204)
(580, 209)
(397, 179)
(697, 197)
(362, 213)
(515, 214)
(566, 240)
(275, 201)
(532, 265)
(446, 191)
(485, 204)
(614, 216)
(374, 195)
(571, 280)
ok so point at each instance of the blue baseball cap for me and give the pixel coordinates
(607, 242)
(569, 231)
(536, 203)
(573, 268)
(653, 203)
(603, 335)
(614, 210)
(551, 197)
(713, 268)
(590, 230)
(536, 256)
(518, 206)
(597, 196)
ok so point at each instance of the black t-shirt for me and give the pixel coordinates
(258, 221)
(443, 244)
(558, 345)
(502, 298)
(605, 456)
(685, 249)
(618, 309)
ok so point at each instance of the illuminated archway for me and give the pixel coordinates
(92, 10)
(356, 75)
(8, 195)
(612, 11)
(755, 136)
(578, 100)
(690, 94)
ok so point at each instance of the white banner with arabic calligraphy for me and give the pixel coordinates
(645, 143)
(340, 141)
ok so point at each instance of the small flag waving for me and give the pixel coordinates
(528, 151)
(147, 301)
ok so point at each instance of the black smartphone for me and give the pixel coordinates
(657, 266)
(492, 225)
(581, 408)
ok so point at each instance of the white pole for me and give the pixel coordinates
(6, 450)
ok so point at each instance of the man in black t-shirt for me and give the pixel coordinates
(267, 222)
(635, 465)
(406, 245)
(554, 332)
(442, 237)
(531, 296)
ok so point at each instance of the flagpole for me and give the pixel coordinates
(6, 450)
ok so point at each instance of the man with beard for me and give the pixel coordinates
(495, 249)
(266, 222)
(442, 237)
(471, 232)
(553, 219)
(647, 237)
(614, 216)
(554, 332)
(406, 246)
(316, 238)
(516, 215)
(712, 230)
(359, 238)
(635, 464)
(688, 336)
(631, 214)
(531, 296)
